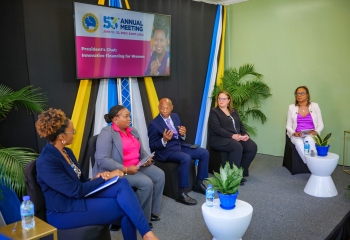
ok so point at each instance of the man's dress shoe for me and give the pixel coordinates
(154, 217)
(199, 188)
(185, 199)
(243, 180)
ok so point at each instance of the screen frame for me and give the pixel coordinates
(169, 45)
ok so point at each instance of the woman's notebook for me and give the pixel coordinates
(104, 185)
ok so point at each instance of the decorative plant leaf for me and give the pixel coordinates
(323, 141)
(12, 163)
(319, 139)
(248, 91)
(26, 97)
(229, 179)
(13, 160)
(327, 136)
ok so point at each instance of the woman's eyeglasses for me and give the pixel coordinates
(222, 99)
(72, 132)
(300, 94)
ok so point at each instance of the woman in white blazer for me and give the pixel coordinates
(303, 115)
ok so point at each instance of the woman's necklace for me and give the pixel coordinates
(71, 163)
(303, 108)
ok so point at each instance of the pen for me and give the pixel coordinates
(14, 228)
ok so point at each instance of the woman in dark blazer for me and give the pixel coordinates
(228, 134)
(64, 185)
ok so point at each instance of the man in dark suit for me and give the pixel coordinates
(166, 134)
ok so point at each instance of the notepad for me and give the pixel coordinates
(305, 132)
(104, 185)
(144, 160)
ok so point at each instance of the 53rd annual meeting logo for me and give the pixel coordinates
(125, 26)
(90, 22)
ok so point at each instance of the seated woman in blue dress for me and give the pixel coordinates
(305, 116)
(64, 185)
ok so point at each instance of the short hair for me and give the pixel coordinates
(51, 123)
(112, 113)
(307, 92)
(230, 105)
(159, 24)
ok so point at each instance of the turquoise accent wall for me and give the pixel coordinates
(293, 43)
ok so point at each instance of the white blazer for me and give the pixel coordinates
(316, 115)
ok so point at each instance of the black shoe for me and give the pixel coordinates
(241, 184)
(114, 227)
(199, 188)
(154, 217)
(185, 199)
(151, 225)
(243, 180)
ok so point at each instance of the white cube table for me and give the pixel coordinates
(227, 224)
(320, 183)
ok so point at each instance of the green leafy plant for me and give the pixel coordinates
(247, 91)
(323, 141)
(14, 159)
(228, 180)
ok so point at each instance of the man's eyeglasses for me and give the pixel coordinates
(222, 99)
(300, 94)
(73, 132)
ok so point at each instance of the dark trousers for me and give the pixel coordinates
(117, 201)
(184, 158)
(240, 153)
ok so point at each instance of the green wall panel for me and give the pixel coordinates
(293, 43)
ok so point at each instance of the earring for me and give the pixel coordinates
(63, 142)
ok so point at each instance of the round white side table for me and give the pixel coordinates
(320, 183)
(227, 224)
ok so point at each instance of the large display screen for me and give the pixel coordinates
(112, 42)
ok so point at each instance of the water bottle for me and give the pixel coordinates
(27, 213)
(209, 194)
(306, 148)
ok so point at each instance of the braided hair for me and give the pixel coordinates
(112, 113)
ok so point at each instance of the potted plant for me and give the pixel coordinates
(227, 183)
(14, 159)
(247, 91)
(322, 144)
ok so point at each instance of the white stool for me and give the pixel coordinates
(320, 183)
(227, 224)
